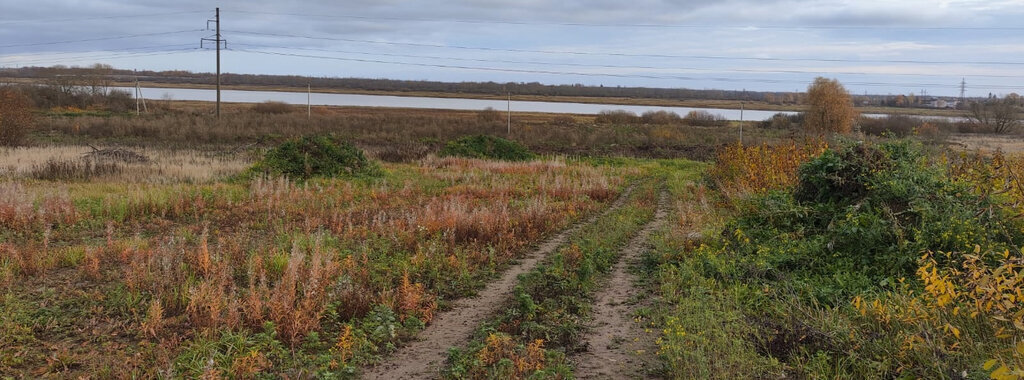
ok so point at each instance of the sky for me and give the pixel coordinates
(874, 47)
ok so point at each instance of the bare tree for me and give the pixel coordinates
(97, 79)
(830, 107)
(996, 115)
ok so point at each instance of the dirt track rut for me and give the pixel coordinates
(619, 348)
(423, 358)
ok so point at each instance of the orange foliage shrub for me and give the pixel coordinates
(742, 169)
(525, 360)
(414, 301)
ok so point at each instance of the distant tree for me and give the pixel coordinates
(97, 79)
(830, 107)
(995, 115)
(1014, 98)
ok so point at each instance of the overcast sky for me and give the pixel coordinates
(871, 46)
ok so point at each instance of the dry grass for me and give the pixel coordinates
(165, 166)
(989, 143)
(401, 134)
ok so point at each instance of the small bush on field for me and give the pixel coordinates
(316, 156)
(273, 108)
(704, 119)
(660, 117)
(741, 170)
(489, 116)
(783, 121)
(616, 117)
(893, 125)
(488, 147)
(15, 117)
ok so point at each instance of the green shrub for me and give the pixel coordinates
(316, 156)
(488, 147)
(862, 207)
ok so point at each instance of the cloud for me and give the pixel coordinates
(727, 28)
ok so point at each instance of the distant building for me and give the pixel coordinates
(943, 103)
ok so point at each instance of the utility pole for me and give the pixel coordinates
(136, 94)
(217, 40)
(509, 104)
(741, 123)
(309, 104)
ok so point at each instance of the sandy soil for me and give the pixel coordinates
(423, 358)
(617, 346)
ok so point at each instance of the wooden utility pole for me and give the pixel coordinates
(309, 104)
(741, 123)
(137, 110)
(217, 40)
(218, 62)
(509, 104)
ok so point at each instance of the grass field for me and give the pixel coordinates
(787, 256)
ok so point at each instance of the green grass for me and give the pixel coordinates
(552, 303)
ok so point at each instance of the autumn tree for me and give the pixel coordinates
(996, 115)
(15, 117)
(830, 107)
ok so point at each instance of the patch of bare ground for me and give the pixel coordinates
(619, 347)
(424, 357)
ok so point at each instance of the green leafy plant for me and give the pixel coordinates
(316, 156)
(489, 147)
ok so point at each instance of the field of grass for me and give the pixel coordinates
(128, 276)
(788, 256)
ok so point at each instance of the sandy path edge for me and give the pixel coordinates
(423, 357)
(617, 347)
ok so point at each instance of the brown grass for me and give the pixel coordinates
(988, 142)
(62, 163)
(404, 134)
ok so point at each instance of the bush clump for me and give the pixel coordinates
(487, 147)
(316, 156)
(616, 117)
(862, 207)
(16, 117)
(701, 118)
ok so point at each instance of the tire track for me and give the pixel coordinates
(424, 357)
(617, 347)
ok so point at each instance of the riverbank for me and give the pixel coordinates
(626, 101)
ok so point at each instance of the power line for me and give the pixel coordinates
(97, 17)
(569, 52)
(605, 66)
(101, 57)
(103, 38)
(93, 51)
(634, 25)
(640, 76)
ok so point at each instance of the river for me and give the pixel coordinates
(386, 101)
(317, 99)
